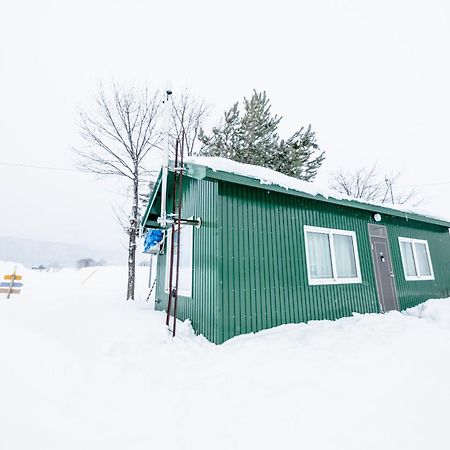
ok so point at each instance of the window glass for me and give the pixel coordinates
(185, 255)
(375, 230)
(422, 259)
(332, 256)
(408, 259)
(345, 256)
(319, 255)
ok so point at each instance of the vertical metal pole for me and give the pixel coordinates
(167, 105)
(151, 271)
(169, 303)
(150, 284)
(180, 196)
(13, 277)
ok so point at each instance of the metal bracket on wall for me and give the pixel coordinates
(197, 223)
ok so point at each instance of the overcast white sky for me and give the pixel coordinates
(371, 77)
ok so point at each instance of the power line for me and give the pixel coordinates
(63, 169)
(424, 184)
(31, 166)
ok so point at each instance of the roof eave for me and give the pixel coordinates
(152, 197)
(200, 172)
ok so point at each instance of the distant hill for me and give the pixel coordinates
(30, 252)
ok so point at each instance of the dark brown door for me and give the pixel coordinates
(382, 265)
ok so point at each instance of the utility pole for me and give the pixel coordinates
(388, 189)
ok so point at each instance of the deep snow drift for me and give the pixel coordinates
(80, 368)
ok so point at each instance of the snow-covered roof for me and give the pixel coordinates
(271, 177)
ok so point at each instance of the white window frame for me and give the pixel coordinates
(417, 277)
(334, 280)
(189, 247)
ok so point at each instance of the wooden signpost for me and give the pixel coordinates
(11, 285)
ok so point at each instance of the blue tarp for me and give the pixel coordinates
(152, 238)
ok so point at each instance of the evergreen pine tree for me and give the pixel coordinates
(253, 139)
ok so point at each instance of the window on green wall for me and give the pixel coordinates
(185, 254)
(416, 259)
(332, 256)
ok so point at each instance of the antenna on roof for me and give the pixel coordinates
(388, 182)
(167, 102)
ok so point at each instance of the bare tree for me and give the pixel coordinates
(368, 184)
(188, 114)
(120, 133)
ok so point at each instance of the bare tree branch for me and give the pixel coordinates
(188, 115)
(120, 133)
(368, 184)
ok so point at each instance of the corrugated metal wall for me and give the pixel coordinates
(263, 261)
(199, 200)
(249, 264)
(411, 293)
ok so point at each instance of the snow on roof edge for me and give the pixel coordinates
(271, 177)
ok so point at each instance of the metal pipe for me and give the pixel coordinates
(180, 198)
(172, 240)
(167, 105)
(194, 222)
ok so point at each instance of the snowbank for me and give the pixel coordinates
(80, 368)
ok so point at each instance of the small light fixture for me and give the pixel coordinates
(377, 217)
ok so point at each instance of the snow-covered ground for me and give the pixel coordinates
(82, 369)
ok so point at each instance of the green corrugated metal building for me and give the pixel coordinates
(271, 254)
